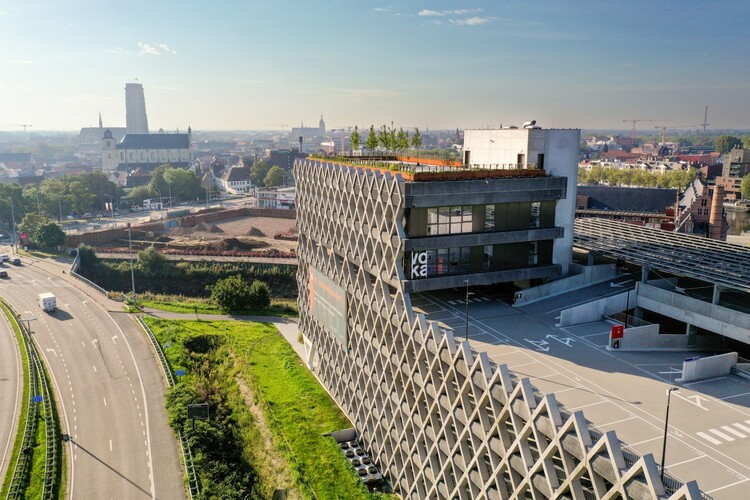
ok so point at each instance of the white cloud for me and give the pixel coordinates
(472, 21)
(155, 50)
(430, 13)
(16, 61)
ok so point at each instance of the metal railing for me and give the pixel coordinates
(187, 454)
(38, 386)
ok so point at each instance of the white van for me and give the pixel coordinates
(48, 302)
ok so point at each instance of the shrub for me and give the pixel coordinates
(260, 295)
(231, 294)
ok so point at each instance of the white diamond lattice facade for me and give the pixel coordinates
(439, 419)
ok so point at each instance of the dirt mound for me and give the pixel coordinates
(254, 231)
(234, 244)
(202, 226)
(178, 231)
(215, 229)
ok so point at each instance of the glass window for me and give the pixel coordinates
(536, 209)
(489, 218)
(533, 252)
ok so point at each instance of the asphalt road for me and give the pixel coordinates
(109, 388)
(709, 423)
(11, 385)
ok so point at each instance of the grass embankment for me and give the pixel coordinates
(268, 413)
(32, 484)
(284, 308)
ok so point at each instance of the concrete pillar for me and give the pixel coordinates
(590, 259)
(644, 274)
(717, 293)
(691, 331)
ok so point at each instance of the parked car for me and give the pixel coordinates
(15, 261)
(4, 258)
(87, 215)
(70, 217)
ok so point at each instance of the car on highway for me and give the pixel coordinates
(88, 215)
(15, 261)
(4, 258)
(3, 273)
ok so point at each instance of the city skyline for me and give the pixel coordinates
(433, 64)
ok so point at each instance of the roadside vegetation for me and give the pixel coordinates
(268, 413)
(283, 308)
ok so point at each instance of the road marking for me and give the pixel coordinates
(703, 381)
(85, 302)
(721, 434)
(113, 340)
(94, 367)
(727, 486)
(733, 431)
(94, 341)
(110, 445)
(708, 438)
(564, 340)
(105, 401)
(672, 371)
(686, 461)
(735, 396)
(590, 404)
(742, 427)
(52, 351)
(612, 423)
(539, 344)
(695, 399)
(83, 344)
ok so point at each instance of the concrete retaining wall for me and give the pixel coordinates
(647, 338)
(587, 275)
(717, 319)
(712, 366)
(593, 311)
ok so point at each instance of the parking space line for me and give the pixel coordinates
(735, 395)
(590, 404)
(617, 421)
(727, 486)
(689, 384)
(631, 445)
(669, 466)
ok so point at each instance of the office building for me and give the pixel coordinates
(439, 419)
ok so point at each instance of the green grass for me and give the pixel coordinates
(284, 308)
(24, 398)
(297, 409)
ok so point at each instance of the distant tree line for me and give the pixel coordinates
(613, 176)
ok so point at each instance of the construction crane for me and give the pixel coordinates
(639, 120)
(664, 130)
(705, 120)
(282, 125)
(24, 125)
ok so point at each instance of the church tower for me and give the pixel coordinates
(321, 127)
(109, 152)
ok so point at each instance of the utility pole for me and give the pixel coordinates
(13, 228)
(132, 273)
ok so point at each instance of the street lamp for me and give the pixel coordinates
(169, 185)
(13, 228)
(466, 333)
(666, 426)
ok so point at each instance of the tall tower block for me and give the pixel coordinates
(135, 109)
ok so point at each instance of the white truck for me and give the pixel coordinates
(48, 302)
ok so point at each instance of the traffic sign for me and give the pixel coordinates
(180, 373)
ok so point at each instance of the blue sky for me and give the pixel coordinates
(257, 64)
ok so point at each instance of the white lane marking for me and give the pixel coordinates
(113, 340)
(94, 367)
(727, 486)
(721, 434)
(742, 427)
(105, 401)
(110, 445)
(83, 344)
(708, 438)
(688, 460)
(733, 431)
(644, 441)
(703, 381)
(735, 396)
(52, 351)
(590, 404)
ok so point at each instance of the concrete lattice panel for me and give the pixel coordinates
(439, 419)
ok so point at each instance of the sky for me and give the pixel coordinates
(268, 64)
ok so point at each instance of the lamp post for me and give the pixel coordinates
(466, 332)
(666, 426)
(13, 227)
(169, 185)
(132, 273)
(59, 206)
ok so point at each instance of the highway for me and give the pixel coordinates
(108, 385)
(11, 385)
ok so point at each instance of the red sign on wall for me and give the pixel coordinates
(617, 332)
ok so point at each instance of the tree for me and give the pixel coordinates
(402, 139)
(745, 187)
(50, 236)
(182, 183)
(725, 143)
(32, 224)
(260, 295)
(746, 142)
(274, 177)
(231, 294)
(259, 171)
(416, 139)
(137, 194)
(151, 261)
(355, 139)
(372, 140)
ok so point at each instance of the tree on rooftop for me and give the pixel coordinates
(372, 140)
(355, 139)
(416, 139)
(402, 139)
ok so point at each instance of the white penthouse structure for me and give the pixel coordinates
(439, 419)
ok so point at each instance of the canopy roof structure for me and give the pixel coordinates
(686, 255)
